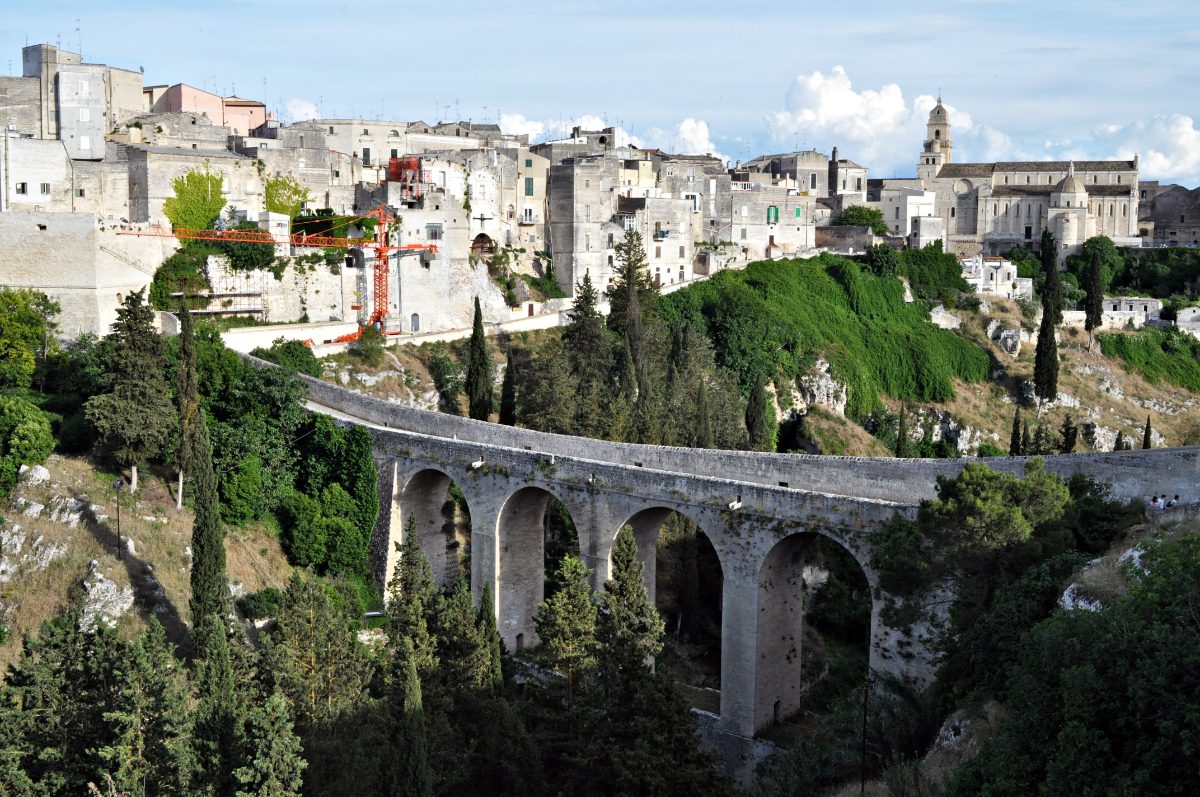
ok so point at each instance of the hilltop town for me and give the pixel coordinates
(91, 156)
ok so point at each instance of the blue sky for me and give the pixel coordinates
(1023, 80)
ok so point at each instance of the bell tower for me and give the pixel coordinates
(938, 149)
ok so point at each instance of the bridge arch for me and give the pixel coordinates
(790, 575)
(520, 570)
(440, 514)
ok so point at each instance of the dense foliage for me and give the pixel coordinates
(1157, 355)
(185, 273)
(291, 354)
(197, 201)
(285, 195)
(862, 216)
(25, 438)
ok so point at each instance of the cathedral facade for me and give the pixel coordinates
(989, 208)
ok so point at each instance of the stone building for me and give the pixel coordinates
(1168, 215)
(996, 276)
(992, 207)
(239, 116)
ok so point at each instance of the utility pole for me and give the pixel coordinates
(117, 485)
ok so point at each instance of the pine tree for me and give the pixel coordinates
(466, 662)
(1093, 287)
(1014, 441)
(1146, 441)
(188, 396)
(566, 622)
(479, 379)
(1070, 435)
(489, 638)
(902, 433)
(1119, 445)
(135, 417)
(405, 763)
(547, 394)
(758, 425)
(314, 655)
(151, 753)
(1045, 364)
(589, 347)
(210, 585)
(273, 759)
(628, 627)
(508, 392)
(1052, 294)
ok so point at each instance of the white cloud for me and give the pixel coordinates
(876, 127)
(300, 109)
(1168, 145)
(515, 124)
(695, 139)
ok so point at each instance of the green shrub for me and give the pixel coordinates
(242, 492)
(259, 605)
(1157, 355)
(291, 354)
(991, 450)
(183, 272)
(370, 346)
(25, 438)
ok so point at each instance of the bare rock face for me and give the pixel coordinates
(103, 600)
(944, 426)
(35, 475)
(1100, 438)
(819, 388)
(939, 316)
(1008, 339)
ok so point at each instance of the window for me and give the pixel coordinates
(331, 131)
(587, 212)
(897, 212)
(657, 251)
(670, 171)
(858, 184)
(79, 192)
(433, 232)
(610, 240)
(529, 163)
(337, 173)
(772, 214)
(951, 212)
(85, 142)
(85, 114)
(745, 211)
(366, 132)
(681, 255)
(301, 142)
(743, 233)
(812, 180)
(1143, 195)
(528, 186)
(587, 243)
(45, 187)
(414, 323)
(395, 153)
(22, 188)
(691, 173)
(587, 183)
(366, 156)
(799, 212)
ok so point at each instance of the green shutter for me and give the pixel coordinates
(528, 186)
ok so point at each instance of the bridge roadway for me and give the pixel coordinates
(760, 512)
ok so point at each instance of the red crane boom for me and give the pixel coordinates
(383, 249)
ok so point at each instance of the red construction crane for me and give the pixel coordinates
(383, 249)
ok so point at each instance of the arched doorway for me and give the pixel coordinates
(684, 579)
(434, 508)
(533, 527)
(814, 626)
(482, 246)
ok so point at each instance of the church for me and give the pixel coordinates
(989, 208)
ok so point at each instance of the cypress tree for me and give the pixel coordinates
(1119, 445)
(273, 760)
(135, 417)
(704, 427)
(489, 638)
(589, 346)
(1146, 442)
(480, 371)
(189, 397)
(1052, 298)
(1093, 287)
(902, 433)
(406, 764)
(757, 424)
(1045, 364)
(1026, 443)
(216, 735)
(508, 392)
(1070, 435)
(210, 585)
(1014, 441)
(566, 622)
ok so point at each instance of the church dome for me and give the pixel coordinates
(938, 115)
(1070, 184)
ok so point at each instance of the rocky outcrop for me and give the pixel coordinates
(939, 316)
(941, 425)
(819, 388)
(103, 600)
(1006, 338)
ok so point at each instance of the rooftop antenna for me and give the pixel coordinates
(79, 38)
(457, 112)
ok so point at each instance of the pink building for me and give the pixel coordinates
(239, 116)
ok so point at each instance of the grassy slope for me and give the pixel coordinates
(160, 538)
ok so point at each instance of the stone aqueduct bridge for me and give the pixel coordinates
(758, 510)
